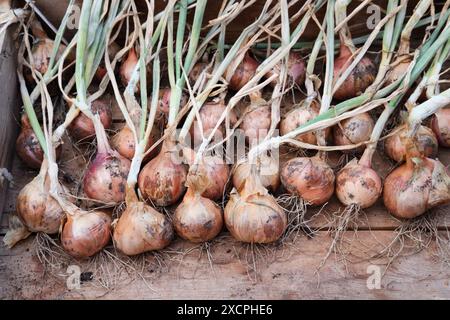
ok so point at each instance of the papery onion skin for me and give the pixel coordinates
(86, 233)
(218, 174)
(440, 123)
(412, 189)
(210, 114)
(123, 142)
(256, 123)
(37, 209)
(358, 184)
(196, 70)
(106, 176)
(296, 70)
(358, 80)
(83, 128)
(197, 219)
(162, 179)
(141, 228)
(354, 130)
(425, 139)
(127, 67)
(268, 169)
(243, 73)
(311, 179)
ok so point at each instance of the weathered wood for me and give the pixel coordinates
(285, 273)
(9, 108)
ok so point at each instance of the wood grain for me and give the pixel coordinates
(290, 273)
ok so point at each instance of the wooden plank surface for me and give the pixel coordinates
(288, 272)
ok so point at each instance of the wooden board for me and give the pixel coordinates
(286, 273)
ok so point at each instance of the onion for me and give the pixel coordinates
(398, 71)
(141, 228)
(440, 123)
(28, 148)
(123, 142)
(162, 179)
(415, 187)
(86, 232)
(358, 80)
(244, 72)
(164, 102)
(101, 72)
(299, 116)
(257, 119)
(196, 71)
(354, 130)
(253, 215)
(267, 167)
(82, 127)
(210, 114)
(296, 69)
(36, 208)
(197, 219)
(358, 184)
(127, 68)
(426, 143)
(311, 179)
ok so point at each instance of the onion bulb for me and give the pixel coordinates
(415, 187)
(358, 184)
(162, 179)
(127, 67)
(266, 166)
(299, 116)
(296, 70)
(123, 142)
(210, 114)
(253, 215)
(426, 143)
(28, 148)
(358, 80)
(311, 179)
(257, 119)
(36, 208)
(141, 228)
(354, 130)
(101, 72)
(82, 127)
(196, 71)
(197, 219)
(244, 72)
(440, 123)
(86, 232)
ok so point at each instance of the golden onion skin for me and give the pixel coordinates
(412, 189)
(252, 215)
(197, 219)
(106, 176)
(296, 69)
(123, 142)
(354, 130)
(243, 73)
(86, 233)
(267, 168)
(440, 123)
(311, 179)
(425, 141)
(358, 184)
(141, 228)
(256, 122)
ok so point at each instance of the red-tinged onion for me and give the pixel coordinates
(311, 179)
(398, 71)
(440, 123)
(162, 179)
(358, 184)
(28, 148)
(299, 116)
(141, 228)
(257, 119)
(83, 128)
(123, 142)
(267, 167)
(101, 72)
(415, 187)
(196, 71)
(353, 130)
(296, 70)
(127, 67)
(426, 143)
(37, 209)
(253, 215)
(197, 219)
(358, 80)
(244, 72)
(86, 232)
(210, 114)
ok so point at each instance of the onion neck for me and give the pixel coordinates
(103, 146)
